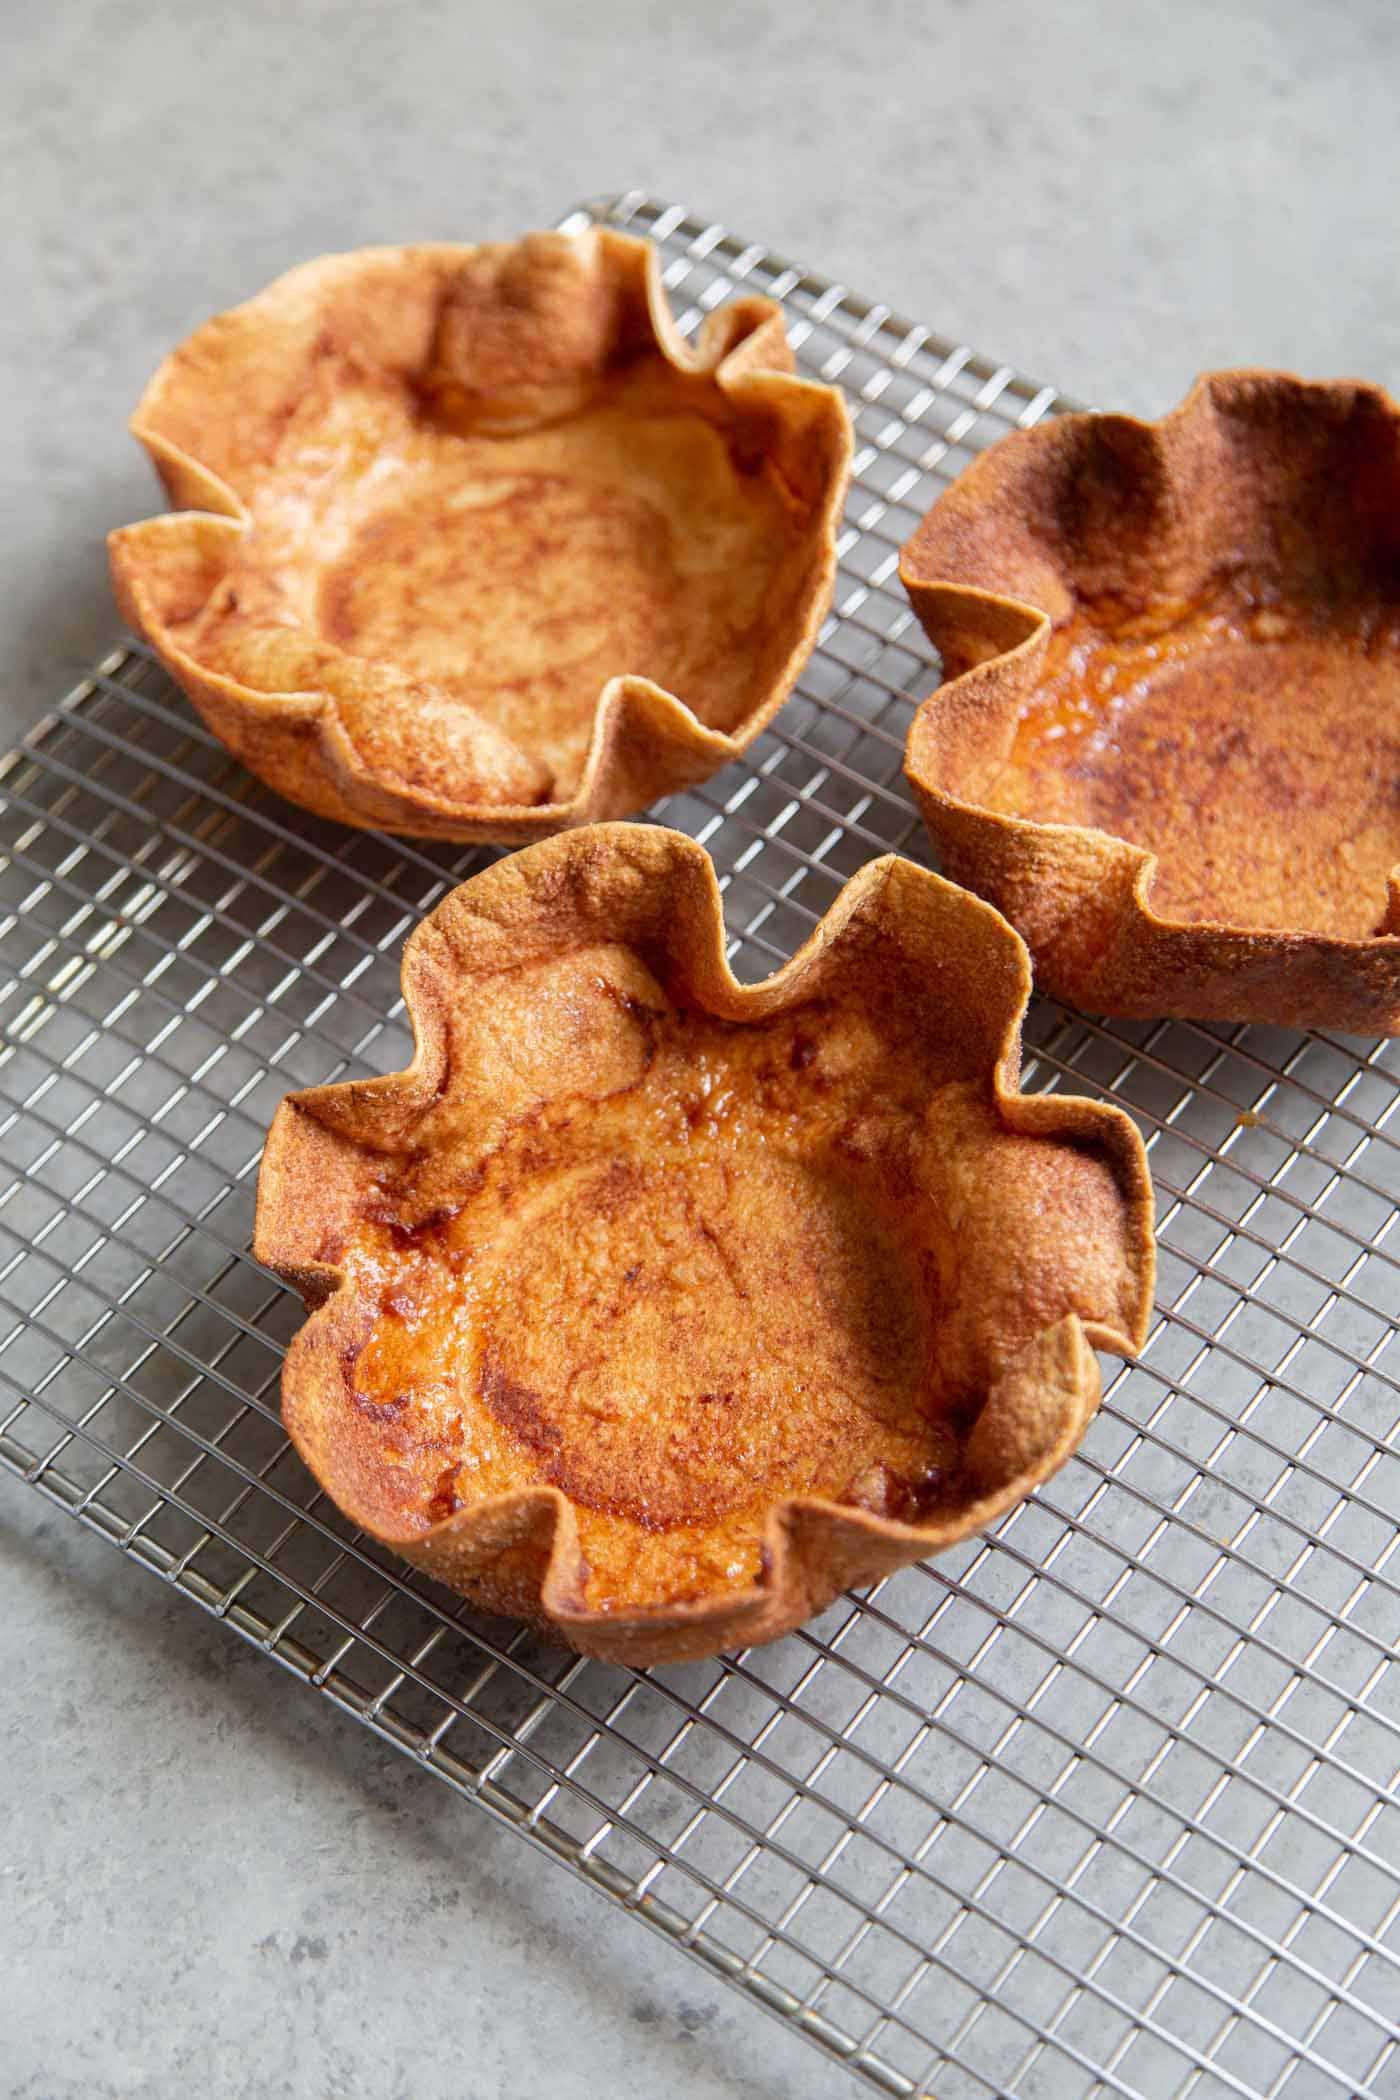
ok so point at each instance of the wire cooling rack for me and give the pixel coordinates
(1099, 1803)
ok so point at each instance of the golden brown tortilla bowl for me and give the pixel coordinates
(471, 544)
(656, 1309)
(1168, 745)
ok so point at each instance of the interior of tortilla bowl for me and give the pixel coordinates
(509, 563)
(1248, 737)
(755, 1260)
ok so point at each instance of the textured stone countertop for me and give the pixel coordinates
(211, 1882)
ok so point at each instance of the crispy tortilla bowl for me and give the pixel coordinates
(470, 543)
(656, 1309)
(1168, 741)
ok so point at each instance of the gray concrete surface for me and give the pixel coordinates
(209, 1883)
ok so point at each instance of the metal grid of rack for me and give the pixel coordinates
(1102, 1802)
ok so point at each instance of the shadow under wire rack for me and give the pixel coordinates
(1100, 1803)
